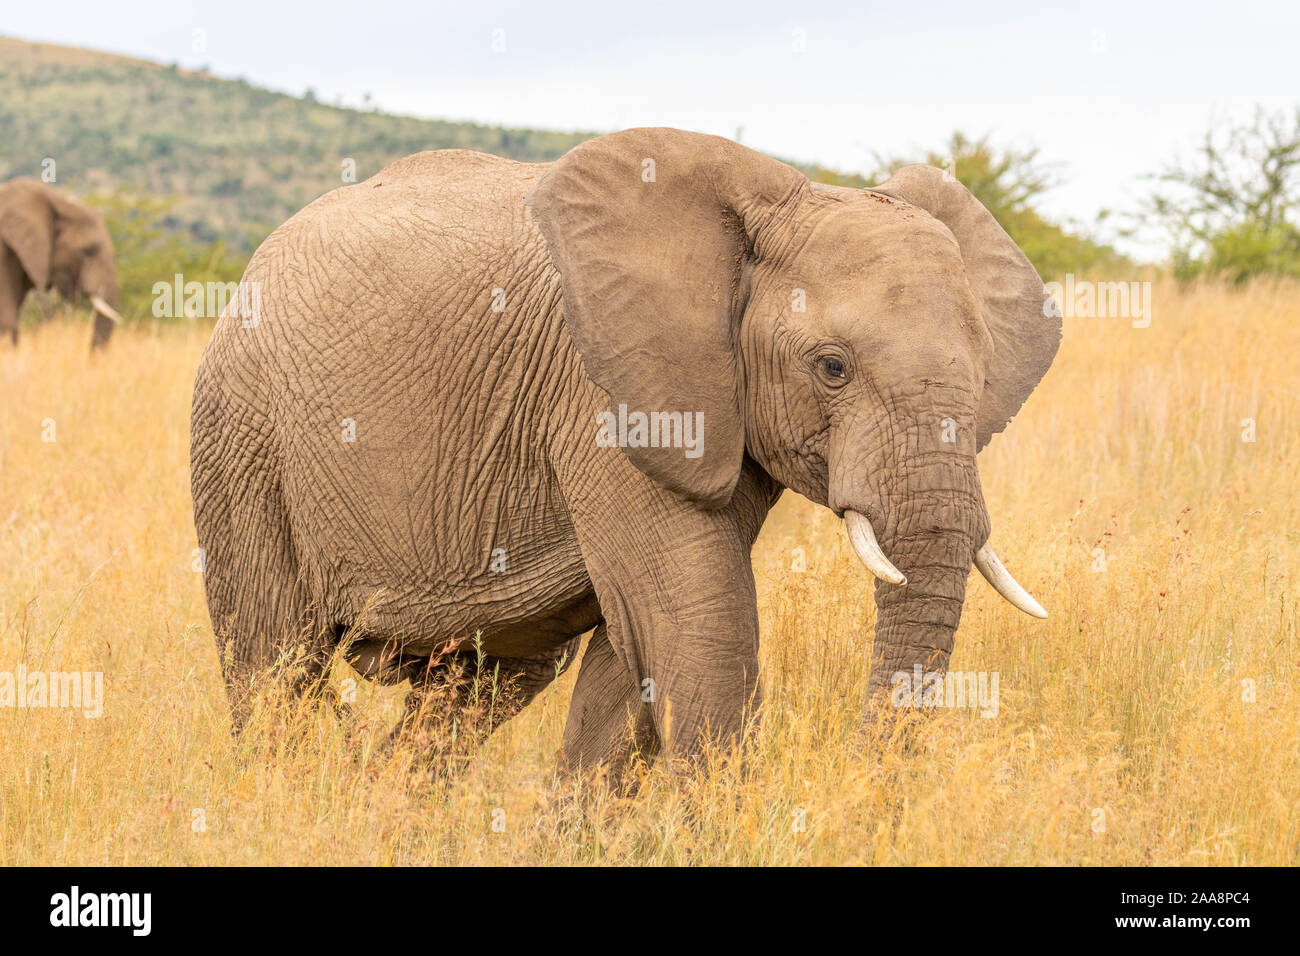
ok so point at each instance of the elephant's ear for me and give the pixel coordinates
(649, 229)
(27, 228)
(1026, 329)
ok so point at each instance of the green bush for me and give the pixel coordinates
(1243, 252)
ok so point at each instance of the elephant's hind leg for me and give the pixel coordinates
(261, 616)
(610, 726)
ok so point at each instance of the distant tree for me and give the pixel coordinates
(1231, 209)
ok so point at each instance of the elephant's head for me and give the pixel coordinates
(61, 242)
(859, 345)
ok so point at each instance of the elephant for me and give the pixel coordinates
(507, 403)
(51, 239)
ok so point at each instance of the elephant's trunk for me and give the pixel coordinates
(105, 305)
(913, 481)
(931, 536)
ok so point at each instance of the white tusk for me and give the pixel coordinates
(105, 309)
(1002, 581)
(863, 539)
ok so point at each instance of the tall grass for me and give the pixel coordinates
(1164, 545)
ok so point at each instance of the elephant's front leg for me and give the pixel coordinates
(677, 593)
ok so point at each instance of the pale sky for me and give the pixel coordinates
(1109, 89)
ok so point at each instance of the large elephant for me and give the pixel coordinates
(519, 401)
(50, 239)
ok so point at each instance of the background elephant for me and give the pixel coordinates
(50, 239)
(436, 419)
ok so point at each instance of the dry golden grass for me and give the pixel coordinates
(1128, 700)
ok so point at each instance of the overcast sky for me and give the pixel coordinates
(1109, 89)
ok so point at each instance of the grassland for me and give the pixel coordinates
(1125, 497)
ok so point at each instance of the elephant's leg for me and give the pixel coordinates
(677, 594)
(8, 315)
(456, 701)
(260, 609)
(13, 290)
(609, 724)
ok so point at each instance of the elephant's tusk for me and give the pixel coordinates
(863, 539)
(1002, 581)
(105, 309)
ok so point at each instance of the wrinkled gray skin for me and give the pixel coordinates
(476, 429)
(49, 239)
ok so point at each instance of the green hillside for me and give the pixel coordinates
(239, 160)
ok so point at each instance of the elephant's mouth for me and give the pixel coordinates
(863, 538)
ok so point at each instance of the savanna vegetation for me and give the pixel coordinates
(1145, 495)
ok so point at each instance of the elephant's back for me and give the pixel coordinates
(421, 226)
(443, 188)
(446, 169)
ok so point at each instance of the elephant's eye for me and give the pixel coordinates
(833, 368)
(91, 250)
